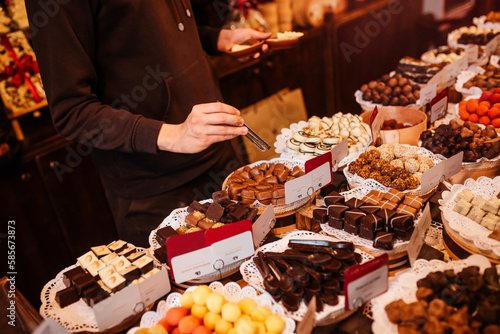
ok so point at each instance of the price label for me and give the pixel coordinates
(418, 236)
(492, 45)
(192, 265)
(231, 250)
(454, 69)
(366, 281)
(439, 106)
(263, 225)
(339, 152)
(494, 60)
(442, 171)
(472, 53)
(321, 176)
(427, 93)
(390, 137)
(376, 121)
(298, 188)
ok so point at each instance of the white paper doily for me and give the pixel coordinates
(282, 208)
(468, 229)
(404, 286)
(368, 105)
(77, 317)
(252, 276)
(355, 180)
(287, 133)
(359, 193)
(480, 22)
(462, 78)
(231, 291)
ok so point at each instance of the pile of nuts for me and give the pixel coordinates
(393, 91)
(450, 139)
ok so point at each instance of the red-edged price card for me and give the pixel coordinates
(439, 105)
(307, 184)
(376, 121)
(366, 281)
(200, 253)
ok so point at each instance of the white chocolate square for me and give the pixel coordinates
(466, 195)
(106, 272)
(94, 267)
(478, 201)
(492, 205)
(120, 263)
(489, 221)
(462, 207)
(476, 214)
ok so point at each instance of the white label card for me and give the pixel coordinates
(231, 250)
(154, 287)
(442, 171)
(454, 69)
(339, 152)
(50, 326)
(263, 225)
(111, 310)
(191, 265)
(377, 125)
(492, 45)
(494, 60)
(321, 176)
(368, 286)
(453, 165)
(298, 188)
(472, 53)
(427, 93)
(418, 236)
(390, 137)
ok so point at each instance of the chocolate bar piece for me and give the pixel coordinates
(263, 195)
(354, 203)
(193, 218)
(386, 215)
(164, 233)
(100, 251)
(278, 191)
(70, 275)
(221, 197)
(413, 201)
(161, 254)
(94, 294)
(353, 217)
(386, 204)
(252, 213)
(401, 222)
(320, 214)
(66, 296)
(406, 209)
(248, 193)
(371, 222)
(384, 240)
(145, 264)
(278, 201)
(353, 229)
(404, 235)
(195, 206)
(337, 210)
(136, 255)
(394, 195)
(117, 246)
(238, 212)
(264, 186)
(83, 282)
(334, 198)
(215, 211)
(130, 273)
(206, 223)
(369, 208)
(336, 223)
(367, 234)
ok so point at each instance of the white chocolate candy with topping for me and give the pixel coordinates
(87, 259)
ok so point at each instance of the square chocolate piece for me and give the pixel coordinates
(145, 264)
(384, 240)
(354, 203)
(83, 282)
(215, 211)
(130, 273)
(221, 197)
(164, 233)
(126, 252)
(386, 216)
(415, 202)
(406, 209)
(161, 254)
(386, 204)
(372, 222)
(336, 223)
(337, 210)
(66, 296)
(401, 222)
(135, 256)
(70, 275)
(352, 217)
(333, 198)
(369, 208)
(195, 206)
(394, 195)
(366, 234)
(238, 212)
(94, 294)
(320, 214)
(117, 246)
(404, 235)
(353, 229)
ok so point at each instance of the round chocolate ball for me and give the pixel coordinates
(372, 84)
(393, 82)
(364, 88)
(402, 82)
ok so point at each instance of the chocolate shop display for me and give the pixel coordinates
(443, 54)
(301, 265)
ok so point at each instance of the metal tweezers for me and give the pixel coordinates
(258, 141)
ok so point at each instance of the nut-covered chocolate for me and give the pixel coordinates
(394, 91)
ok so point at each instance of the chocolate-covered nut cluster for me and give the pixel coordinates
(396, 166)
(264, 183)
(450, 139)
(490, 79)
(391, 91)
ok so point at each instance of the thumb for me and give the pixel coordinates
(259, 35)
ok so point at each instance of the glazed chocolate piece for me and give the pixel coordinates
(404, 235)
(195, 206)
(94, 268)
(252, 214)
(83, 282)
(321, 214)
(354, 203)
(70, 275)
(337, 210)
(115, 282)
(135, 256)
(130, 273)
(113, 256)
(369, 208)
(330, 298)
(353, 229)
(66, 296)
(205, 224)
(401, 222)
(413, 201)
(117, 246)
(164, 233)
(215, 211)
(278, 201)
(264, 195)
(145, 264)
(336, 223)
(406, 209)
(353, 217)
(334, 198)
(87, 259)
(384, 240)
(106, 272)
(367, 234)
(278, 191)
(386, 216)
(221, 197)
(193, 218)
(238, 212)
(94, 294)
(386, 204)
(161, 254)
(372, 223)
(394, 195)
(120, 263)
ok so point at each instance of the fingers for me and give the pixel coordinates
(258, 34)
